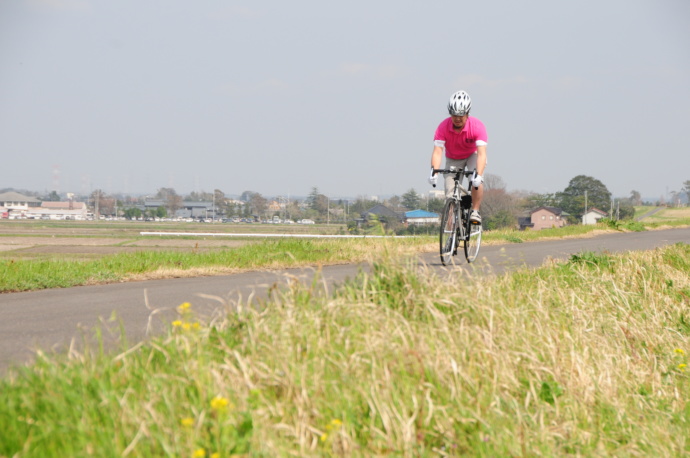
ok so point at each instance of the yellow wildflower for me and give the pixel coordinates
(186, 326)
(199, 453)
(679, 351)
(184, 307)
(323, 437)
(196, 326)
(220, 403)
(177, 323)
(215, 455)
(187, 422)
(681, 367)
(335, 423)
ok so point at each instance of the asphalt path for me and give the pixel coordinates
(62, 319)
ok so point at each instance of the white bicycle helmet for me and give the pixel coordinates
(459, 104)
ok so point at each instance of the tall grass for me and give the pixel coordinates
(585, 358)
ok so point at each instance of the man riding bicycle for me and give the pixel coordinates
(463, 139)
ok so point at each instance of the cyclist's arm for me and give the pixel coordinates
(436, 157)
(481, 159)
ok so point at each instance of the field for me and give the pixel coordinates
(86, 240)
(585, 358)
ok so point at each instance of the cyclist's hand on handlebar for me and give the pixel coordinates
(432, 178)
(477, 180)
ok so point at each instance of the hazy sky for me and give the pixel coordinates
(280, 96)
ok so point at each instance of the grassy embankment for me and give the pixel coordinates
(585, 358)
(21, 273)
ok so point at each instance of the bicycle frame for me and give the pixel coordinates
(459, 228)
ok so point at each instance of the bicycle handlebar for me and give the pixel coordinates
(457, 172)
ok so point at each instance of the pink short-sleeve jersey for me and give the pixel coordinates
(460, 145)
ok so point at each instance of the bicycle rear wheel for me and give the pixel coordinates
(449, 231)
(473, 239)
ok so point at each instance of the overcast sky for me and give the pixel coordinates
(278, 97)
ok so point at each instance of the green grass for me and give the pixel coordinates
(514, 236)
(61, 272)
(24, 271)
(584, 358)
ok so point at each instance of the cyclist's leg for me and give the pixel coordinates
(477, 194)
(449, 183)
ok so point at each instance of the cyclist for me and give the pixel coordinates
(463, 139)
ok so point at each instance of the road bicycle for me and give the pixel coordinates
(455, 220)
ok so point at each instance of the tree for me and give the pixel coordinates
(132, 213)
(394, 203)
(625, 209)
(541, 200)
(361, 205)
(411, 200)
(317, 202)
(572, 199)
(246, 195)
(172, 201)
(499, 209)
(436, 205)
(52, 197)
(635, 198)
(492, 181)
(686, 189)
(258, 204)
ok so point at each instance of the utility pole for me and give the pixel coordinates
(583, 219)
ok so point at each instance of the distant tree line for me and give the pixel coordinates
(500, 208)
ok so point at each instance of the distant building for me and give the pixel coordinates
(544, 218)
(187, 209)
(16, 205)
(421, 217)
(60, 210)
(593, 216)
(381, 211)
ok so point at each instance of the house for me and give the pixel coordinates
(16, 205)
(381, 212)
(275, 206)
(593, 216)
(421, 217)
(546, 218)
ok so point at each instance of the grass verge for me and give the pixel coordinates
(588, 357)
(25, 275)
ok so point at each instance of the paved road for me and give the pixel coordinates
(52, 319)
(649, 213)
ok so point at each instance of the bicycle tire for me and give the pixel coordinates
(472, 238)
(448, 237)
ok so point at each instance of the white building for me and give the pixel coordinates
(593, 216)
(17, 205)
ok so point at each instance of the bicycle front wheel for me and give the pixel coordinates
(473, 240)
(449, 231)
